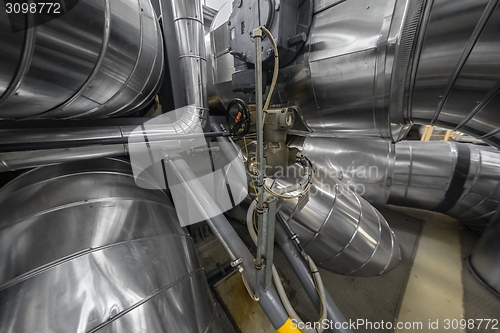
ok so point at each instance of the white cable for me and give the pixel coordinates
(279, 286)
(276, 67)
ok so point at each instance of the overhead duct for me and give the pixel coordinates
(86, 250)
(458, 179)
(100, 59)
(371, 68)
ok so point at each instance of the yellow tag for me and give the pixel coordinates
(287, 327)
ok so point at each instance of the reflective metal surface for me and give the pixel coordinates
(168, 130)
(362, 164)
(33, 158)
(371, 68)
(484, 259)
(86, 250)
(425, 175)
(457, 78)
(188, 24)
(460, 180)
(342, 232)
(102, 58)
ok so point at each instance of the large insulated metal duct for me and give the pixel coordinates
(84, 249)
(341, 231)
(100, 59)
(370, 68)
(457, 179)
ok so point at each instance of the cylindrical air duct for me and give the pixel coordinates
(101, 58)
(84, 249)
(457, 179)
(188, 24)
(371, 68)
(342, 232)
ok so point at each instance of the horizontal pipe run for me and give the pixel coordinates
(19, 140)
(29, 159)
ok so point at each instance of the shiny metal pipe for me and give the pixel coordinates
(21, 136)
(188, 122)
(81, 143)
(189, 30)
(484, 260)
(372, 68)
(86, 250)
(458, 179)
(101, 59)
(341, 231)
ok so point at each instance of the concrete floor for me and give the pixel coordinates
(434, 290)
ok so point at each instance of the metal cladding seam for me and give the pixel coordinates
(342, 232)
(84, 249)
(100, 59)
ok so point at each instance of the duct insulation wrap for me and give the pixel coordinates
(340, 230)
(101, 58)
(84, 249)
(372, 68)
(458, 179)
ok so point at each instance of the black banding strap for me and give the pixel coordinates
(456, 188)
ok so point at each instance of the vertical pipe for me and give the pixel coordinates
(188, 24)
(257, 33)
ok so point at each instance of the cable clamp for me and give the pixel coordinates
(236, 262)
